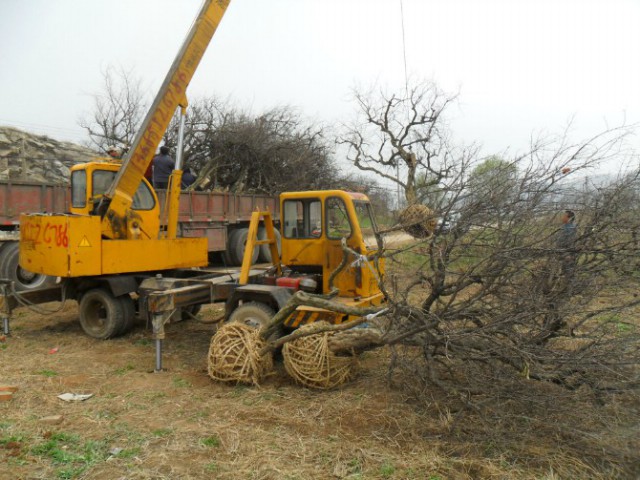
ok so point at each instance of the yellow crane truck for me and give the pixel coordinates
(119, 260)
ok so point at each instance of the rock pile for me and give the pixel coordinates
(38, 158)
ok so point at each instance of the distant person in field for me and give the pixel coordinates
(566, 243)
(163, 165)
(568, 233)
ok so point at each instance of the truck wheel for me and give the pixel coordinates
(237, 242)
(10, 269)
(129, 313)
(253, 314)
(102, 315)
(228, 256)
(265, 251)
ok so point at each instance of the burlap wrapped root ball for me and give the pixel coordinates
(310, 362)
(418, 221)
(234, 355)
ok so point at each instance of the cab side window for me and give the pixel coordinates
(79, 189)
(302, 218)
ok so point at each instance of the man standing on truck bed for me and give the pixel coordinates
(163, 165)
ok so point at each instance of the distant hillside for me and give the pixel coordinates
(38, 158)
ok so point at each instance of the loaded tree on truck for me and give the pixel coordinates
(116, 258)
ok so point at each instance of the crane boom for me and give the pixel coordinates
(118, 199)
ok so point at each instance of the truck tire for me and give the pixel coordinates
(253, 314)
(102, 315)
(265, 251)
(129, 312)
(228, 256)
(10, 269)
(237, 242)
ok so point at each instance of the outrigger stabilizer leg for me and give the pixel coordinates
(5, 307)
(158, 320)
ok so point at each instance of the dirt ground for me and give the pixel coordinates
(179, 424)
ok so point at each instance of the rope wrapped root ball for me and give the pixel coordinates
(310, 362)
(234, 355)
(418, 221)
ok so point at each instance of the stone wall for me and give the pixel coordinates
(38, 158)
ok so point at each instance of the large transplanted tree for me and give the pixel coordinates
(402, 138)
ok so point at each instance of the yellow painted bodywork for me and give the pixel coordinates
(356, 280)
(71, 246)
(252, 242)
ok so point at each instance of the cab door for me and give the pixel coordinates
(302, 242)
(340, 224)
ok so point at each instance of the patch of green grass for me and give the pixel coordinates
(155, 395)
(125, 369)
(162, 432)
(143, 342)
(412, 259)
(181, 383)
(387, 469)
(617, 324)
(212, 441)
(128, 453)
(12, 439)
(104, 414)
(54, 443)
(132, 434)
(355, 467)
(211, 467)
(70, 473)
(624, 327)
(3, 346)
(47, 373)
(18, 461)
(612, 318)
(69, 452)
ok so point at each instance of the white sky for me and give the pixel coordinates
(521, 66)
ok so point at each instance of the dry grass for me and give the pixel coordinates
(181, 424)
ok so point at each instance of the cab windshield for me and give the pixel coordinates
(366, 220)
(142, 200)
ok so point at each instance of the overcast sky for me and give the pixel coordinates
(521, 66)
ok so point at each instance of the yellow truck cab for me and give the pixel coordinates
(313, 227)
(90, 181)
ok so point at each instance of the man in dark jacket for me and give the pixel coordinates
(568, 233)
(163, 165)
(187, 177)
(567, 253)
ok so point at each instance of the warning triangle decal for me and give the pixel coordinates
(84, 242)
